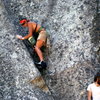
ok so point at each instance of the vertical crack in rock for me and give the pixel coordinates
(95, 36)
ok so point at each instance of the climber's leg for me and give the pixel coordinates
(39, 44)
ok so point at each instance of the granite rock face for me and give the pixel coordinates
(74, 55)
(17, 70)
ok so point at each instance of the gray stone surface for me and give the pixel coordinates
(16, 66)
(74, 55)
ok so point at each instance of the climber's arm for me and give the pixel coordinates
(89, 95)
(30, 32)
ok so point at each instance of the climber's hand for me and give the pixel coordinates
(19, 37)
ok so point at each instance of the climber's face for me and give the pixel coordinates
(23, 22)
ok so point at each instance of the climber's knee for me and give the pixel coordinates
(39, 43)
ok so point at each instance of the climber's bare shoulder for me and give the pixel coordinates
(31, 25)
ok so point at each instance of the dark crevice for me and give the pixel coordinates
(51, 6)
(95, 35)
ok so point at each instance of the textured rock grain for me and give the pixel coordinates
(16, 66)
(74, 55)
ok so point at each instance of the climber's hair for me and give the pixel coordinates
(23, 18)
(97, 76)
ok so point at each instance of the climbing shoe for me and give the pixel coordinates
(41, 65)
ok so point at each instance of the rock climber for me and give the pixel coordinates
(38, 34)
(94, 88)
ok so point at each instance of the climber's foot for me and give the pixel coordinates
(41, 65)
